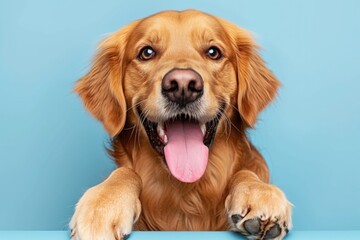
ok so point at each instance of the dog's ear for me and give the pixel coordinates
(257, 86)
(101, 88)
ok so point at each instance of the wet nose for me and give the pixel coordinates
(182, 86)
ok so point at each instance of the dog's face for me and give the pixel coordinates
(177, 76)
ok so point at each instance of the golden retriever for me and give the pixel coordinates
(176, 91)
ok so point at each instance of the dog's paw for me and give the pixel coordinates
(105, 212)
(259, 211)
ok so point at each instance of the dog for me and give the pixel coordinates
(177, 91)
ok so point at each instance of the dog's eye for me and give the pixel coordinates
(214, 53)
(146, 53)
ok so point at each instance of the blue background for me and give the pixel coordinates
(51, 150)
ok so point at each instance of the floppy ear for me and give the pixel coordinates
(257, 86)
(101, 88)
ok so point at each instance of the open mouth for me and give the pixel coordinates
(184, 142)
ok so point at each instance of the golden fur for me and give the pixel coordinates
(236, 178)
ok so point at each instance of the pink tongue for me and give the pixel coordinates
(185, 153)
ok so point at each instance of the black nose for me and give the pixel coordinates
(182, 86)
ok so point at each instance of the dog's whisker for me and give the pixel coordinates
(228, 123)
(223, 100)
(135, 105)
(135, 127)
(143, 116)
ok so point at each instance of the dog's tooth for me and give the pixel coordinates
(203, 129)
(165, 139)
(160, 129)
(161, 132)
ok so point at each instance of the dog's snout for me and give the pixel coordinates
(182, 86)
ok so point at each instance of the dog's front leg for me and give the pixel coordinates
(108, 210)
(256, 209)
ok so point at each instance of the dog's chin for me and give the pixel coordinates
(183, 141)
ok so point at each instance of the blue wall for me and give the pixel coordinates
(51, 150)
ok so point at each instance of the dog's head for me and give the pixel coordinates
(177, 75)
